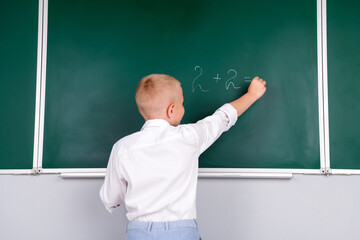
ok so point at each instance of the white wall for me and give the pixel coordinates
(47, 207)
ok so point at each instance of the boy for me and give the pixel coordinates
(154, 171)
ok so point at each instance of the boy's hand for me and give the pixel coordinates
(257, 88)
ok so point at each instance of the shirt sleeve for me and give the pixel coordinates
(210, 128)
(113, 190)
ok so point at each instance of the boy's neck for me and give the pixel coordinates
(161, 118)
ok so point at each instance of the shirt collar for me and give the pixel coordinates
(155, 123)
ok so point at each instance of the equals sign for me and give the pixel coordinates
(247, 79)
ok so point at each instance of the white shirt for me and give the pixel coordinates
(154, 171)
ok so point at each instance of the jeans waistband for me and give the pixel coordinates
(188, 223)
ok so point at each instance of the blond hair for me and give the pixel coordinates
(154, 93)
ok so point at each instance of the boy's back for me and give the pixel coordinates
(157, 168)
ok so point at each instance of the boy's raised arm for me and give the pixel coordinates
(210, 128)
(256, 90)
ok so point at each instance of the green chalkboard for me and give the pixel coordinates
(344, 88)
(18, 55)
(99, 50)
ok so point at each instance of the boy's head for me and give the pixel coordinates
(160, 96)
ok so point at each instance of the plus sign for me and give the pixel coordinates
(217, 78)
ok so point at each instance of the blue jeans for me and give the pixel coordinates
(173, 230)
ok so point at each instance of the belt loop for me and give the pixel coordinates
(195, 223)
(149, 226)
(166, 226)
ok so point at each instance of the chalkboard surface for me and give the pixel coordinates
(18, 51)
(99, 50)
(344, 87)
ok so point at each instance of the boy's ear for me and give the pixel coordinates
(170, 110)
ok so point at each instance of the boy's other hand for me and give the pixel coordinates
(257, 87)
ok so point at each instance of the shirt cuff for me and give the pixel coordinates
(230, 112)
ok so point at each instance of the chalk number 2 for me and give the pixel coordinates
(195, 84)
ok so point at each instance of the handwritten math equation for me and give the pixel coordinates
(227, 81)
